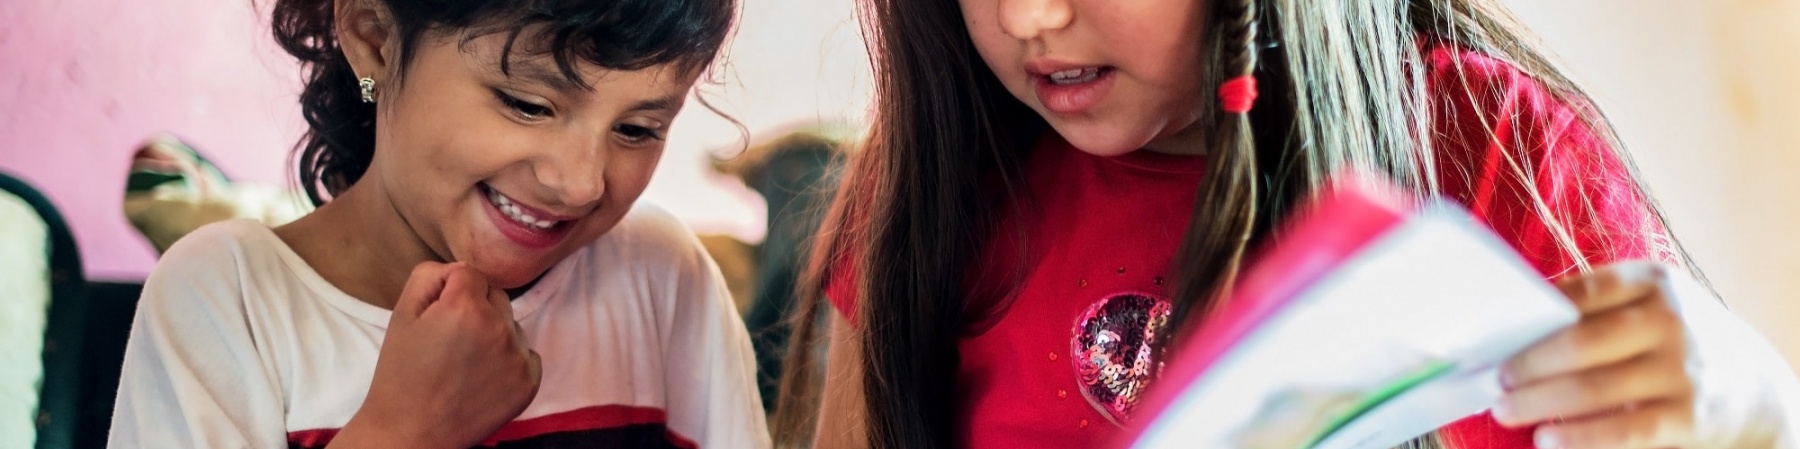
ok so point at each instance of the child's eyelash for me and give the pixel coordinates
(525, 108)
(638, 133)
(533, 111)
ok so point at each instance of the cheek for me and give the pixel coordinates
(456, 143)
(998, 50)
(1159, 39)
(630, 173)
(1171, 71)
(1005, 61)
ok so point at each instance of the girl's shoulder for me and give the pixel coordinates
(1536, 161)
(223, 254)
(1489, 116)
(1447, 58)
(240, 264)
(230, 269)
(1467, 88)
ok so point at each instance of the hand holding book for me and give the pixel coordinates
(1375, 318)
(1619, 378)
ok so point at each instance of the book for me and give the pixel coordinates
(1373, 319)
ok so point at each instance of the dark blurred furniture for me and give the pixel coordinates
(84, 337)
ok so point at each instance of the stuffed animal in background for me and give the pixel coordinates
(172, 190)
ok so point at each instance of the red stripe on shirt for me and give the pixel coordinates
(589, 418)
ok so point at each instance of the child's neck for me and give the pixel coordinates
(359, 243)
(1189, 141)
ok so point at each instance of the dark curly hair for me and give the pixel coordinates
(615, 34)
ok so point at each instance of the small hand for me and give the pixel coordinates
(1619, 378)
(453, 368)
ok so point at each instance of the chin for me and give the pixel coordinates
(511, 277)
(508, 273)
(1100, 140)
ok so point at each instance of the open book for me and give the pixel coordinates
(1372, 321)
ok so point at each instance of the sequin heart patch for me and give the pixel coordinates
(1114, 353)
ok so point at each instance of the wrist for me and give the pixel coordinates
(379, 430)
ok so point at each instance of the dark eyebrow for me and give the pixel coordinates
(668, 103)
(545, 76)
(554, 79)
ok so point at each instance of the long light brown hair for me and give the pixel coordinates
(1343, 85)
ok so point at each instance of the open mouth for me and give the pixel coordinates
(1077, 76)
(519, 215)
(527, 226)
(1072, 90)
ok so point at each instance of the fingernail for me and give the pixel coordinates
(1506, 379)
(1546, 439)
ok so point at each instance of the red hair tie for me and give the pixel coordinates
(1238, 95)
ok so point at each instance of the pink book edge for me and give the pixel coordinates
(1329, 229)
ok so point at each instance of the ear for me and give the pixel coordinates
(367, 37)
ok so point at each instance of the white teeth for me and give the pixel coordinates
(512, 211)
(1075, 76)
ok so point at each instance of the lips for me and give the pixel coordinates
(1068, 90)
(520, 214)
(524, 225)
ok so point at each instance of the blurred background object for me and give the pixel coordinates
(1700, 92)
(44, 322)
(796, 173)
(172, 190)
(25, 271)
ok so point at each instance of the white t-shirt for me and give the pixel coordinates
(238, 343)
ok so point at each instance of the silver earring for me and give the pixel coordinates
(368, 89)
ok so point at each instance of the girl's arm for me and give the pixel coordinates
(842, 421)
(1749, 397)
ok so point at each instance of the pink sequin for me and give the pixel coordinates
(1114, 350)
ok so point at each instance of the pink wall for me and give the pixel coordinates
(82, 82)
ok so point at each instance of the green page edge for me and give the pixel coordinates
(1381, 396)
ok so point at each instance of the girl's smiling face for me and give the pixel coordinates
(511, 173)
(1111, 76)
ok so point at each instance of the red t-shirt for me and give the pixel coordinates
(1039, 355)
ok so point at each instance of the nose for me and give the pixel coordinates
(574, 175)
(1029, 19)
